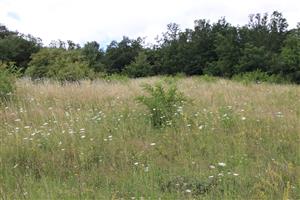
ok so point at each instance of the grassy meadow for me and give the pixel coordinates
(95, 141)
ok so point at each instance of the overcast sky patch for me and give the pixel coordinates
(14, 16)
(103, 21)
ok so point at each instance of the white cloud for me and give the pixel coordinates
(104, 21)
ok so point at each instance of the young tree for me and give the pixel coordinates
(140, 67)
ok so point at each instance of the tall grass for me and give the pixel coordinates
(95, 141)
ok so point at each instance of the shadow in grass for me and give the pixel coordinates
(190, 186)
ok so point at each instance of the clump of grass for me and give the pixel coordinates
(164, 104)
(116, 78)
(208, 78)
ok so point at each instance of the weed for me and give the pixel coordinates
(163, 104)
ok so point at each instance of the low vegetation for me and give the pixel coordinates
(95, 140)
(7, 83)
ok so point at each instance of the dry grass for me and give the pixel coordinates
(94, 141)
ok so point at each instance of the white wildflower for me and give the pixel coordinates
(221, 164)
(188, 190)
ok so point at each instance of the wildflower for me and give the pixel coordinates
(210, 176)
(201, 127)
(221, 164)
(17, 120)
(83, 136)
(220, 174)
(153, 144)
(146, 169)
(212, 167)
(235, 174)
(26, 127)
(188, 190)
(243, 118)
(136, 163)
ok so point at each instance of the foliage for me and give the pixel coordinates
(94, 56)
(140, 67)
(290, 56)
(116, 78)
(17, 48)
(258, 77)
(119, 55)
(216, 49)
(163, 104)
(7, 82)
(58, 64)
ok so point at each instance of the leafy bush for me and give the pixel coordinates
(7, 83)
(259, 76)
(163, 104)
(58, 64)
(140, 67)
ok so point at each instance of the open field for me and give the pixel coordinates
(95, 141)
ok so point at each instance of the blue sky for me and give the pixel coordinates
(103, 20)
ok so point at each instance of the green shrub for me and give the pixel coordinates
(164, 104)
(59, 64)
(140, 67)
(117, 78)
(7, 83)
(259, 76)
(71, 72)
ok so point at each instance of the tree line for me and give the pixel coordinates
(263, 45)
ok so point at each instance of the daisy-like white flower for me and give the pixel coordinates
(221, 164)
